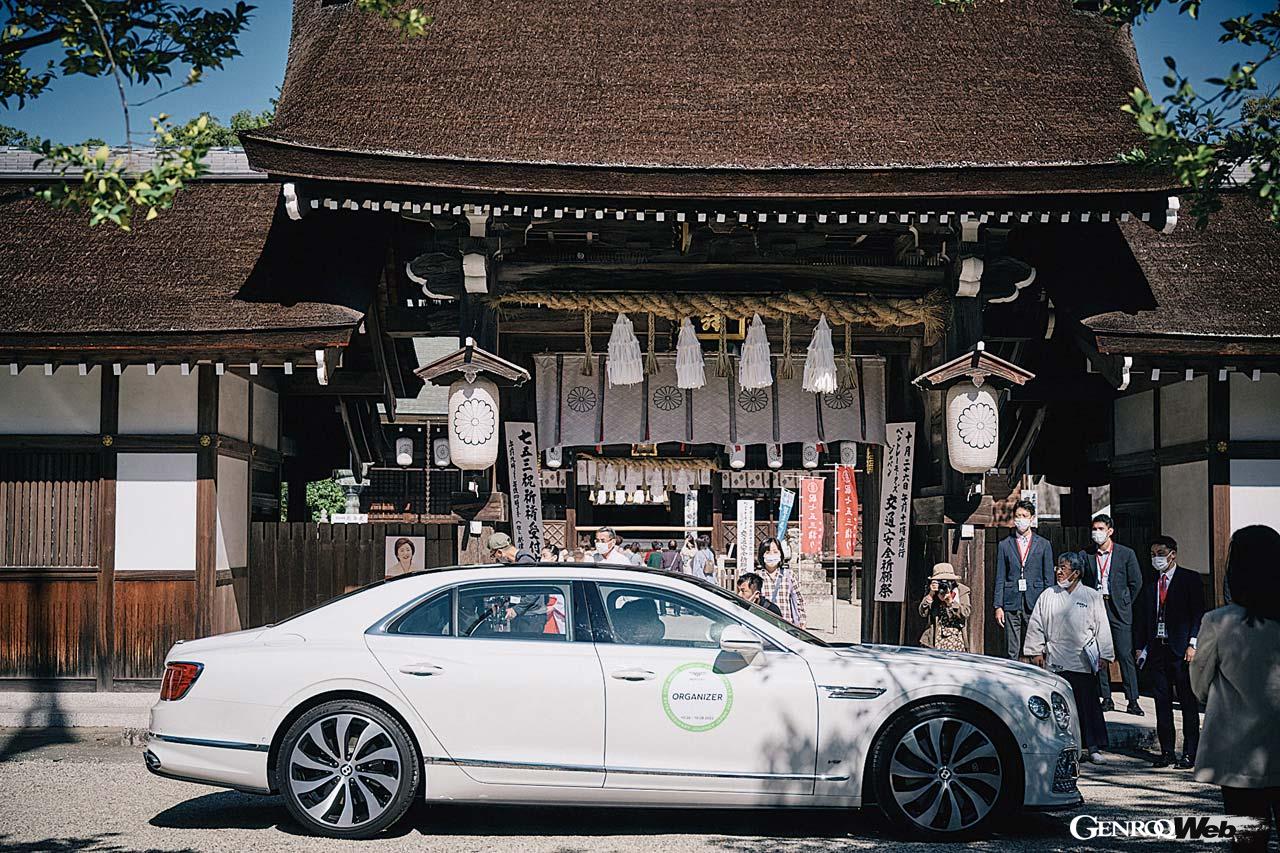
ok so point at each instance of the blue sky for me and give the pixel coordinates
(80, 108)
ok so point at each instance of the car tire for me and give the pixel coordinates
(347, 769)
(945, 770)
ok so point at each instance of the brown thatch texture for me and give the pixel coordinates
(200, 267)
(735, 84)
(1220, 282)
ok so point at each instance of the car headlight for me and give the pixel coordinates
(1038, 708)
(1061, 712)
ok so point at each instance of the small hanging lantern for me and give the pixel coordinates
(809, 455)
(473, 411)
(404, 451)
(737, 455)
(440, 453)
(555, 457)
(820, 363)
(849, 453)
(754, 368)
(972, 406)
(690, 366)
(773, 454)
(625, 365)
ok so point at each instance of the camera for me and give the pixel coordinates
(945, 587)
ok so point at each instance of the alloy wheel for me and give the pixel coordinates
(345, 770)
(945, 774)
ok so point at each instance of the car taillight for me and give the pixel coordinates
(178, 678)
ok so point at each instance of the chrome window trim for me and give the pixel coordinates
(383, 625)
(770, 645)
(631, 771)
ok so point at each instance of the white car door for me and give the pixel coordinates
(504, 679)
(683, 715)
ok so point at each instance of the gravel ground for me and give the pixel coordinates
(83, 790)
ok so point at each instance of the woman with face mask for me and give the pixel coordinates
(781, 586)
(1069, 633)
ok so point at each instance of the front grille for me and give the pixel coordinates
(1066, 773)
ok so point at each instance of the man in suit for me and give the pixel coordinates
(1170, 611)
(1024, 569)
(1119, 579)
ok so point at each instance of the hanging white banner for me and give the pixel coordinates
(526, 491)
(691, 513)
(746, 552)
(895, 511)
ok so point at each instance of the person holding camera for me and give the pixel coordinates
(946, 606)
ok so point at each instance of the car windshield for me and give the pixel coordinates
(776, 621)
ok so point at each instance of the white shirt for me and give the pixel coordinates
(617, 557)
(1063, 622)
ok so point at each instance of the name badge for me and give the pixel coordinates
(1161, 633)
(1022, 584)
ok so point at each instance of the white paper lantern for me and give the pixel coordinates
(620, 496)
(440, 452)
(809, 455)
(555, 457)
(473, 424)
(848, 453)
(973, 428)
(404, 451)
(773, 453)
(737, 455)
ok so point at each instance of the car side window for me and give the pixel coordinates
(515, 610)
(431, 618)
(648, 616)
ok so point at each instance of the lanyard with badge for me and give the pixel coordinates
(1022, 559)
(1161, 632)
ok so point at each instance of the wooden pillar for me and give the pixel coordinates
(570, 502)
(871, 539)
(717, 508)
(206, 576)
(1219, 486)
(104, 636)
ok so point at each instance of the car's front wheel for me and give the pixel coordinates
(944, 770)
(347, 769)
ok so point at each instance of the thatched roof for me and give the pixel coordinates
(727, 98)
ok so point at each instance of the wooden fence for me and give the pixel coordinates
(296, 566)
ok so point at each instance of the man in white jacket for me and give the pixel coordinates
(1070, 633)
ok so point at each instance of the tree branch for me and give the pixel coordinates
(115, 72)
(22, 45)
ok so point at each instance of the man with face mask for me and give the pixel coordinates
(1119, 579)
(1169, 615)
(1024, 569)
(608, 550)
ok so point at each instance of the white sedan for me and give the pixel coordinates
(575, 684)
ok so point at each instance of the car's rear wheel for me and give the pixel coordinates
(944, 770)
(347, 769)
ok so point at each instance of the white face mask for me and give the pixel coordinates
(1023, 524)
(1159, 563)
(603, 547)
(1066, 584)
(772, 559)
(1099, 536)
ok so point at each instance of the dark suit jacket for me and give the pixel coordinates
(1183, 609)
(1125, 583)
(1039, 572)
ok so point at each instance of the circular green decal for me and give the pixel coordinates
(696, 697)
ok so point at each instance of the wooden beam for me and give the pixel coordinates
(104, 635)
(731, 277)
(206, 500)
(1219, 405)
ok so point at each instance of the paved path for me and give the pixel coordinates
(80, 790)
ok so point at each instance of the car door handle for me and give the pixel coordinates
(421, 669)
(633, 674)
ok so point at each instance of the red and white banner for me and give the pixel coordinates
(846, 511)
(811, 515)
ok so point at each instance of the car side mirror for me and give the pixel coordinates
(735, 638)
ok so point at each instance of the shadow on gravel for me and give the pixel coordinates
(31, 734)
(225, 810)
(102, 843)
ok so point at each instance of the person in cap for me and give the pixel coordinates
(946, 606)
(503, 550)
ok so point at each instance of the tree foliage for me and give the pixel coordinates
(324, 499)
(1203, 134)
(136, 42)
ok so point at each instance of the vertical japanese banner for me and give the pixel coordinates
(846, 511)
(526, 489)
(746, 536)
(895, 511)
(691, 513)
(786, 502)
(811, 515)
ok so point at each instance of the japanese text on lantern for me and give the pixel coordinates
(895, 511)
(846, 511)
(526, 491)
(811, 515)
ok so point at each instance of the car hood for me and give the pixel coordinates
(908, 657)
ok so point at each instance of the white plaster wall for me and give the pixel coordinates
(1184, 412)
(164, 404)
(233, 513)
(1255, 407)
(1184, 511)
(156, 511)
(65, 403)
(1255, 492)
(1135, 423)
(266, 417)
(233, 406)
